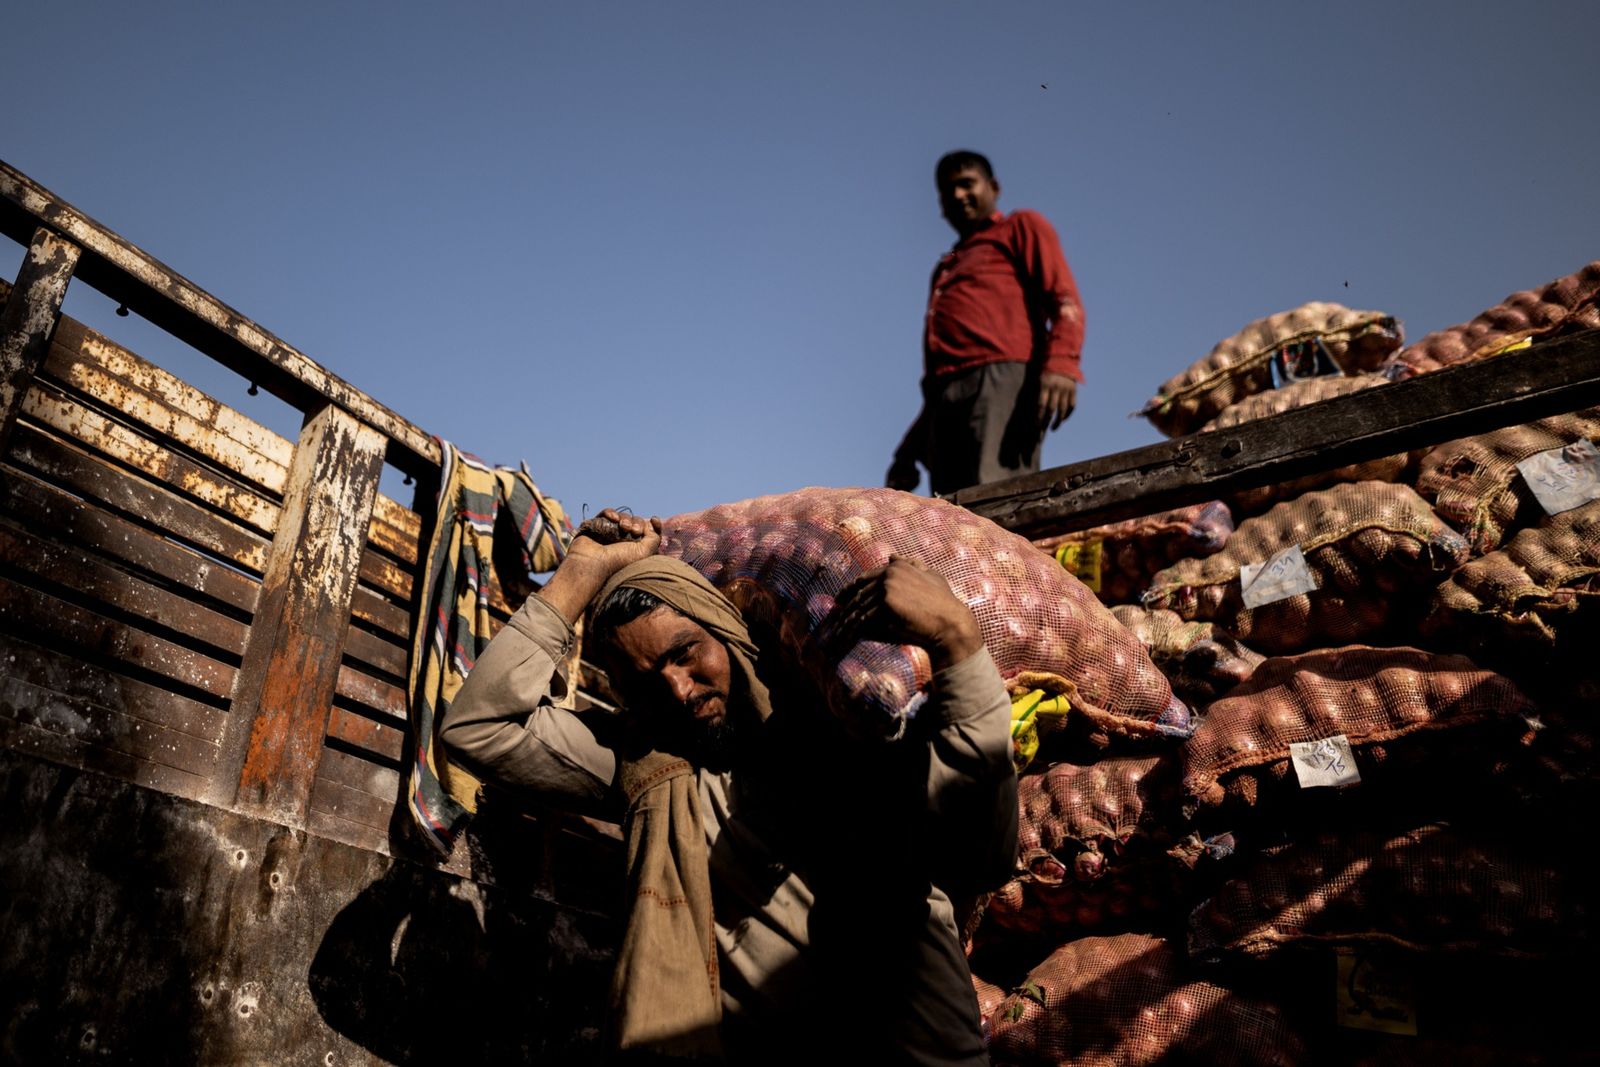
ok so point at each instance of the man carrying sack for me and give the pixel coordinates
(789, 887)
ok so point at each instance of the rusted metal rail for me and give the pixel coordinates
(1547, 378)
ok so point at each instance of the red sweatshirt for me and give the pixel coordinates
(995, 298)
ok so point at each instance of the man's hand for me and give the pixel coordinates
(590, 564)
(903, 475)
(905, 603)
(1058, 395)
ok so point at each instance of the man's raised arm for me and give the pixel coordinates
(971, 829)
(503, 725)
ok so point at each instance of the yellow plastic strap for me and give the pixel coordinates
(1027, 712)
(1082, 559)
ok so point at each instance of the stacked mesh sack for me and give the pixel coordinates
(1118, 560)
(1447, 840)
(1334, 337)
(1566, 305)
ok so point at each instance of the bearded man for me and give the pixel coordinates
(790, 886)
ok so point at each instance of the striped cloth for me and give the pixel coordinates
(453, 621)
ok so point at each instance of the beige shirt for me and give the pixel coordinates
(504, 725)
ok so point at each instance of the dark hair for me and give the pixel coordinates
(961, 159)
(622, 606)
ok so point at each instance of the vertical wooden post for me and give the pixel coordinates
(284, 688)
(30, 318)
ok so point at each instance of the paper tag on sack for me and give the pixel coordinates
(1279, 578)
(1082, 561)
(1328, 762)
(1564, 478)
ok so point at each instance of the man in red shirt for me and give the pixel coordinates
(1001, 342)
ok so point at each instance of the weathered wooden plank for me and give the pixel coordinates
(384, 739)
(382, 614)
(70, 675)
(97, 480)
(49, 407)
(85, 721)
(354, 772)
(50, 511)
(395, 529)
(116, 588)
(291, 663)
(1546, 379)
(369, 692)
(166, 407)
(352, 805)
(385, 575)
(165, 404)
(375, 652)
(72, 752)
(127, 274)
(29, 318)
(34, 615)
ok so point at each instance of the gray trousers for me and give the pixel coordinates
(983, 425)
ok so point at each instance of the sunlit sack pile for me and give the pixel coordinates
(1392, 676)
(1303, 747)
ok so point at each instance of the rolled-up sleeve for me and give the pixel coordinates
(972, 785)
(504, 726)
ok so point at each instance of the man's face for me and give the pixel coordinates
(967, 197)
(665, 660)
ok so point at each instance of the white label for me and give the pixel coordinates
(1279, 578)
(1564, 478)
(1325, 762)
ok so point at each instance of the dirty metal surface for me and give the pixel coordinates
(144, 928)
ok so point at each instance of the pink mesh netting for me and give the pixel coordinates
(1125, 1001)
(1201, 659)
(1292, 396)
(1128, 554)
(1091, 846)
(1356, 341)
(1564, 305)
(1399, 708)
(1433, 887)
(791, 554)
(1369, 545)
(1474, 482)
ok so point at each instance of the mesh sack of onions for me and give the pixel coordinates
(1544, 584)
(1410, 722)
(1474, 483)
(1091, 846)
(1201, 659)
(1349, 342)
(1370, 548)
(1565, 305)
(1117, 561)
(1435, 887)
(1127, 1001)
(783, 559)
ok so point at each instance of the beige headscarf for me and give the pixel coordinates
(665, 994)
(680, 586)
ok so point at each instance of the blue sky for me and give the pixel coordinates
(674, 254)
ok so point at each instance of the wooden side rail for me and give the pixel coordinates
(131, 276)
(1548, 378)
